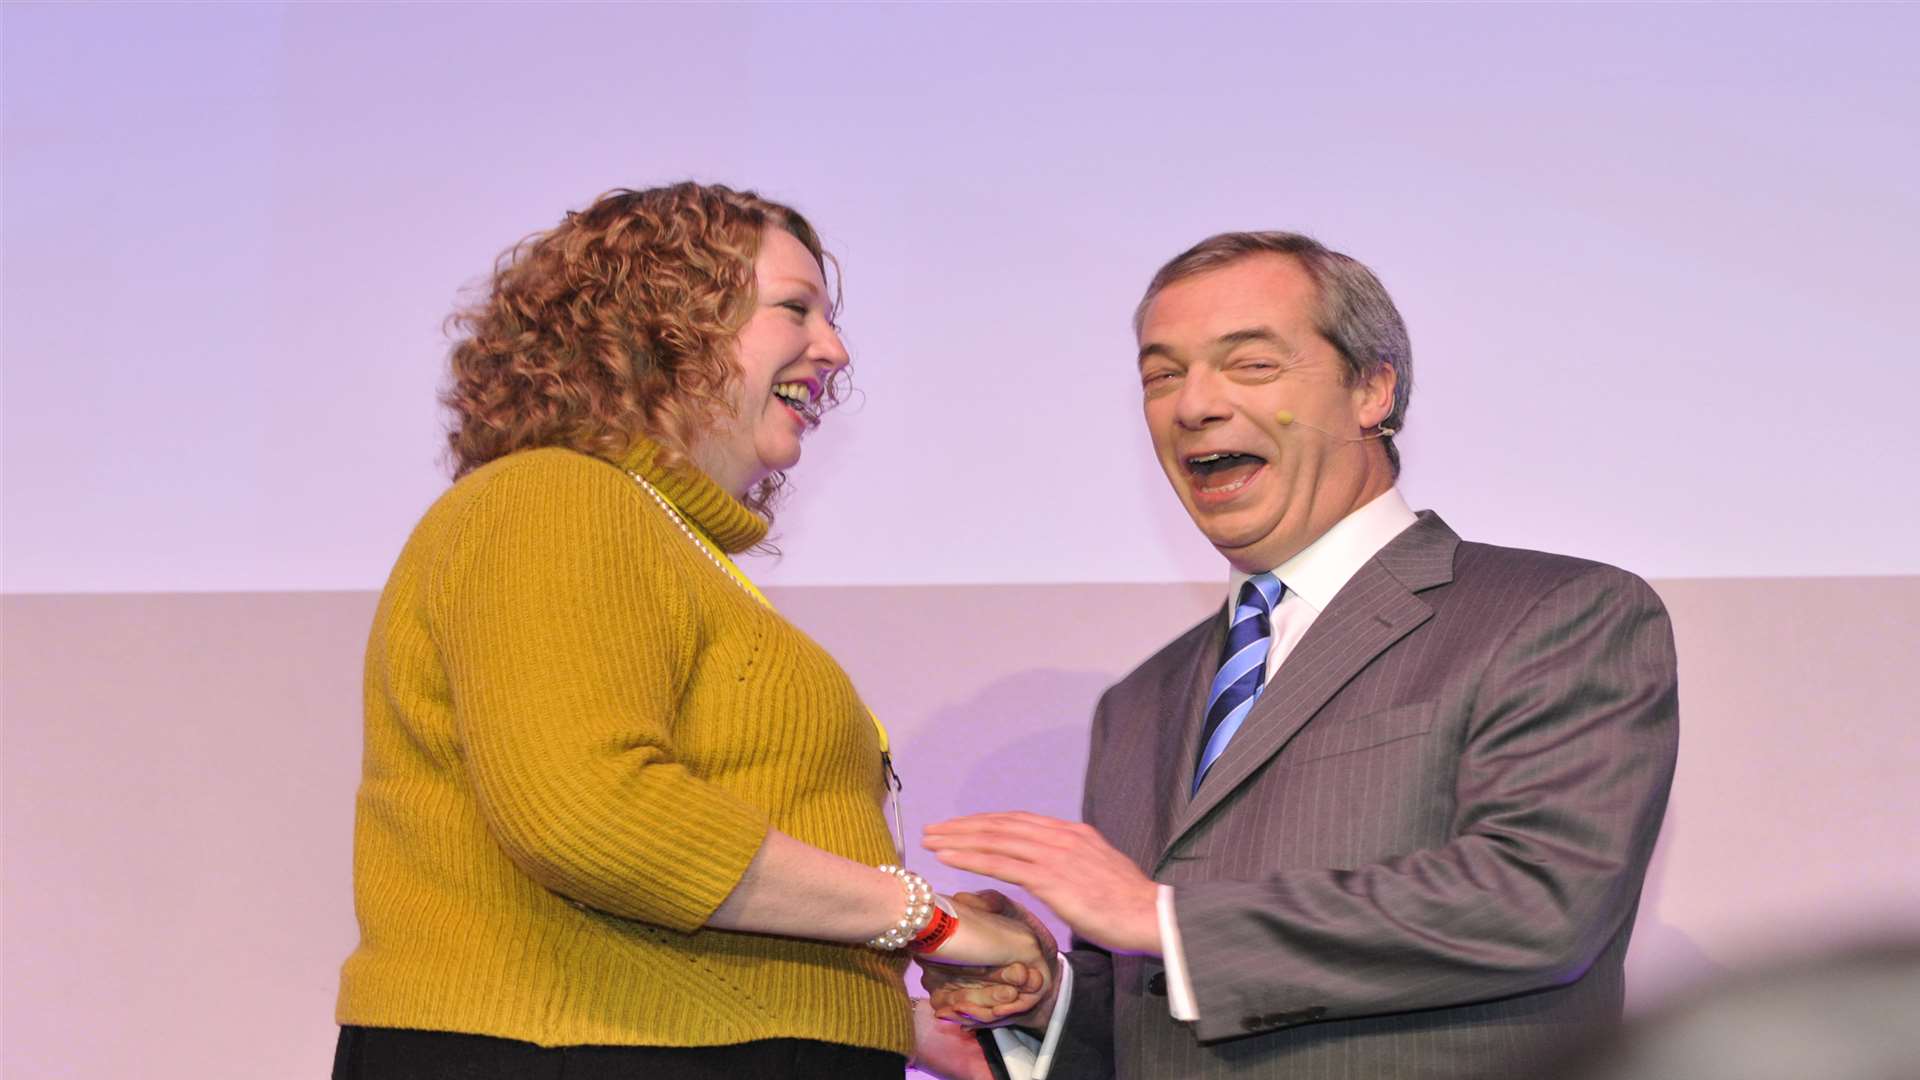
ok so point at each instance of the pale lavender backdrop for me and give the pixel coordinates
(1658, 262)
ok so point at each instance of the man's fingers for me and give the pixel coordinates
(964, 1019)
(1001, 817)
(1036, 841)
(985, 900)
(974, 999)
(967, 1001)
(998, 827)
(1015, 871)
(975, 1016)
(1014, 974)
(937, 978)
(992, 901)
(1017, 847)
(986, 986)
(975, 1013)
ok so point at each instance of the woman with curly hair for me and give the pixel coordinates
(617, 817)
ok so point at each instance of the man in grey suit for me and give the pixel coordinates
(1389, 815)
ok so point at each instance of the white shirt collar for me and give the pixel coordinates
(1324, 567)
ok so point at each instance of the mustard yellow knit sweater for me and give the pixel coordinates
(578, 730)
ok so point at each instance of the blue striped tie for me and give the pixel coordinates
(1243, 671)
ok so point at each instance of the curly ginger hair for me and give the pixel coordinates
(618, 323)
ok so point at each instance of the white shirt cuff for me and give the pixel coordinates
(1180, 1001)
(1027, 1057)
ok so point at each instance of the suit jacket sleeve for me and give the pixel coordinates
(1085, 1050)
(1567, 752)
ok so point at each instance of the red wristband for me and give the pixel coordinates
(939, 928)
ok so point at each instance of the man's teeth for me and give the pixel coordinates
(1206, 467)
(1221, 457)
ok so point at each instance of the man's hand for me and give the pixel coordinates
(1017, 993)
(1069, 866)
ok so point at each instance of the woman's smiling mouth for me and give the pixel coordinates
(798, 396)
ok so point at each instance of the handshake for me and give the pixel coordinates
(1008, 975)
(1006, 972)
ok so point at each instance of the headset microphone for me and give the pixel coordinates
(1285, 418)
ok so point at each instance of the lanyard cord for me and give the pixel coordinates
(720, 559)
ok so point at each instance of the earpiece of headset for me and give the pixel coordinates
(1285, 418)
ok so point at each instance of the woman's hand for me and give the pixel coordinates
(1019, 992)
(986, 938)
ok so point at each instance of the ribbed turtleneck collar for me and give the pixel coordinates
(705, 504)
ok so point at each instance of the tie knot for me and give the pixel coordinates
(1261, 591)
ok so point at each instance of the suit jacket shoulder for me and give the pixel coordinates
(1490, 581)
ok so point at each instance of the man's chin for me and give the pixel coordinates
(1230, 537)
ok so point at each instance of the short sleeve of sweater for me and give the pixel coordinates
(566, 643)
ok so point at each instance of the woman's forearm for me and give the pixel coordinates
(794, 889)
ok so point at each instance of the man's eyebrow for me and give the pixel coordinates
(1256, 334)
(1153, 349)
(1225, 343)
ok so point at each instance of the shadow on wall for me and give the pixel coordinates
(1035, 760)
(1844, 1015)
(1663, 959)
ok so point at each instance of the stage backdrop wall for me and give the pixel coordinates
(179, 774)
(1657, 261)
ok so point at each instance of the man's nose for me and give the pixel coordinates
(1202, 399)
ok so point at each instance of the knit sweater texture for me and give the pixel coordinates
(578, 731)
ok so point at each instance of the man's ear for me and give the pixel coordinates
(1373, 397)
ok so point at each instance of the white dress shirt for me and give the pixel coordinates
(1312, 579)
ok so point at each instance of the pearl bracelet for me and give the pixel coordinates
(918, 914)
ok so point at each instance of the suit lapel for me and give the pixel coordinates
(1191, 707)
(1375, 609)
(1175, 721)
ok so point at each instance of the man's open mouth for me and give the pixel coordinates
(1223, 471)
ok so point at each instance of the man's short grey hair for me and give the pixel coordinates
(1356, 315)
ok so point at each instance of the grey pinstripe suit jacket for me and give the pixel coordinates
(1421, 854)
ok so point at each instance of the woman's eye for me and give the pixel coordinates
(796, 307)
